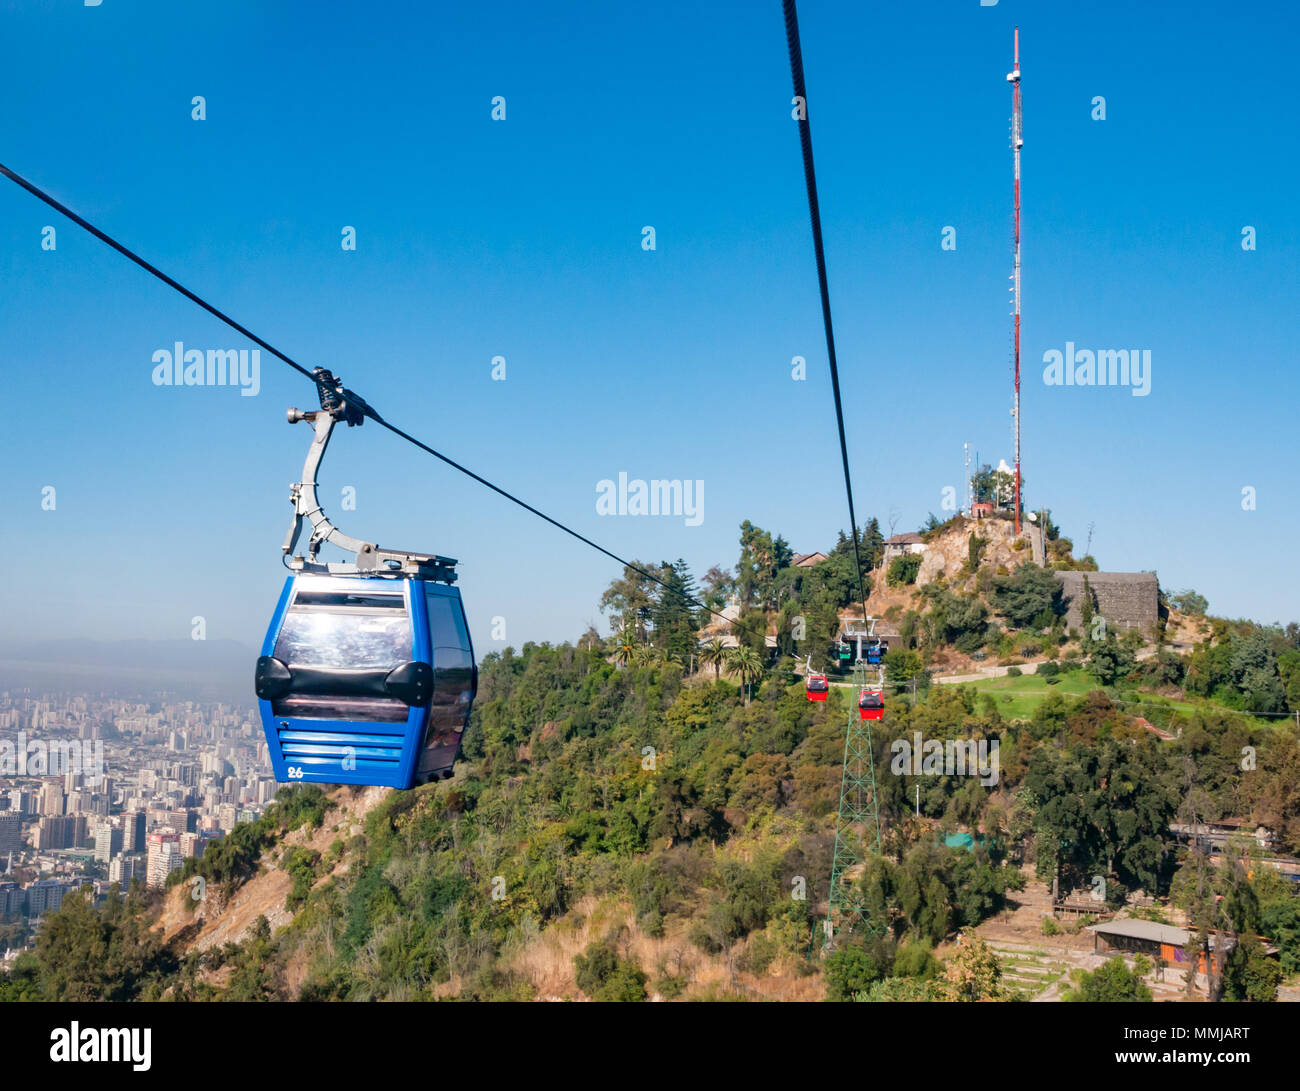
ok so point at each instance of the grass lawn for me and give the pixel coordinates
(1017, 698)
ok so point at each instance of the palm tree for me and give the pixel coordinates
(648, 655)
(715, 653)
(746, 663)
(626, 650)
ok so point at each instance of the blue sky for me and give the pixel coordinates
(522, 239)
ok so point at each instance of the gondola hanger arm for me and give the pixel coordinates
(340, 404)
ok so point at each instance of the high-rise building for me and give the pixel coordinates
(51, 798)
(56, 832)
(11, 833)
(108, 841)
(164, 856)
(44, 895)
(122, 869)
(133, 823)
(182, 821)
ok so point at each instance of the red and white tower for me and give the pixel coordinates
(1017, 141)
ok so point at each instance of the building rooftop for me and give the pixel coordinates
(1148, 930)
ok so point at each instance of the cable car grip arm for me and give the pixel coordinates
(340, 404)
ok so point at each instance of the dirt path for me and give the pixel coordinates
(986, 672)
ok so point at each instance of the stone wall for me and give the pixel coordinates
(1127, 600)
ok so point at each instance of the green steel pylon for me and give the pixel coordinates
(856, 825)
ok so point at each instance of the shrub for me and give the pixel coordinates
(903, 570)
(851, 970)
(1112, 982)
(758, 954)
(603, 976)
(669, 987)
(916, 960)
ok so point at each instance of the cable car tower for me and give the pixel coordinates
(858, 819)
(1017, 141)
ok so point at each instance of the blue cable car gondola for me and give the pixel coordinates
(365, 680)
(367, 673)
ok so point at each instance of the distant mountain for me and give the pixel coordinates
(208, 669)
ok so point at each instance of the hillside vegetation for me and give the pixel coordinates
(621, 828)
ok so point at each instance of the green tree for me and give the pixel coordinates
(973, 973)
(714, 654)
(255, 972)
(718, 586)
(1250, 974)
(90, 954)
(994, 487)
(1189, 602)
(674, 615)
(630, 599)
(605, 977)
(851, 969)
(1028, 592)
(903, 570)
(762, 557)
(959, 621)
(625, 650)
(1087, 610)
(744, 661)
(1110, 661)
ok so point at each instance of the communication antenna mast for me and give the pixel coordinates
(970, 483)
(1017, 140)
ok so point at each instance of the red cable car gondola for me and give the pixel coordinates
(871, 703)
(817, 686)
